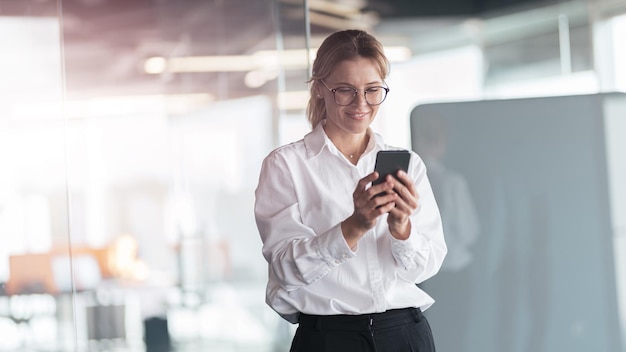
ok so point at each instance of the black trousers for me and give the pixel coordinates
(398, 330)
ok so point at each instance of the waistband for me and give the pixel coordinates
(361, 322)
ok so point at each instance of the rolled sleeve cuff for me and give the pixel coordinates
(332, 247)
(406, 252)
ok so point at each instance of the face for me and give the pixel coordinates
(361, 74)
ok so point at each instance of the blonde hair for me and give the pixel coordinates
(338, 47)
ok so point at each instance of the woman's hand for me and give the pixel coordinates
(406, 203)
(369, 204)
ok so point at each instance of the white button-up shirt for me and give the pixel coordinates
(304, 193)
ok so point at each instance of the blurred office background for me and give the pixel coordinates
(132, 132)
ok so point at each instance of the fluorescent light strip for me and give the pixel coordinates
(294, 59)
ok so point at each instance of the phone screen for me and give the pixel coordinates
(389, 162)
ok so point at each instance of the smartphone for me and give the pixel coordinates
(389, 162)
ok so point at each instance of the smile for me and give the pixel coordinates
(358, 115)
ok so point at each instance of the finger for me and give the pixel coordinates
(374, 197)
(406, 190)
(395, 214)
(369, 215)
(402, 209)
(368, 179)
(406, 181)
(406, 203)
(407, 199)
(360, 195)
(384, 208)
(380, 190)
(384, 198)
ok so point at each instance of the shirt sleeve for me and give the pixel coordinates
(296, 255)
(421, 255)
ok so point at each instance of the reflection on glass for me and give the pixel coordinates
(537, 169)
(461, 230)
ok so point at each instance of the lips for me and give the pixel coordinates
(358, 115)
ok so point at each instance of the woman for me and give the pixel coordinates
(343, 262)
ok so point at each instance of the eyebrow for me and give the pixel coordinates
(367, 84)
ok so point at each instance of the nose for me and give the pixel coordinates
(360, 99)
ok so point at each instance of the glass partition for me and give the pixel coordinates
(35, 267)
(131, 138)
(171, 115)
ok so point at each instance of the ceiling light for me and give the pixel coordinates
(155, 65)
(263, 60)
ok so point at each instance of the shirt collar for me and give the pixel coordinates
(316, 140)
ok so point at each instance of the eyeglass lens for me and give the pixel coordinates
(373, 95)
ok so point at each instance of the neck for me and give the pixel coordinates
(353, 148)
(352, 145)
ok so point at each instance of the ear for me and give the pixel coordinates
(317, 91)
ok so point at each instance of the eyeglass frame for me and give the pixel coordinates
(356, 92)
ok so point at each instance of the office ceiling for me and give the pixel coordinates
(106, 42)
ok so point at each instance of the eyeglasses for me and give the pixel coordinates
(346, 95)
